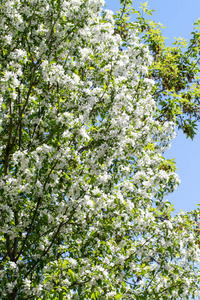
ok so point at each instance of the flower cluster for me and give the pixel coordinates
(82, 169)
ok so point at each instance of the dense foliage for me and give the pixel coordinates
(82, 172)
(175, 68)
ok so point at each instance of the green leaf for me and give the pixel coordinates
(4, 106)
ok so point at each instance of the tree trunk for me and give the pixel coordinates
(14, 294)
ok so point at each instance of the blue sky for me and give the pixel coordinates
(178, 17)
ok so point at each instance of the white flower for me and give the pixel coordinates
(8, 39)
(84, 133)
(66, 282)
(148, 81)
(12, 265)
(27, 284)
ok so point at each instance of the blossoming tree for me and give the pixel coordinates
(82, 169)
